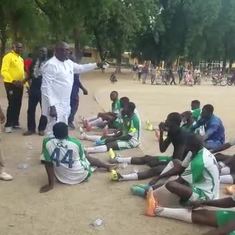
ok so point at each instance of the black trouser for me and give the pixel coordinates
(34, 99)
(173, 80)
(14, 96)
(74, 103)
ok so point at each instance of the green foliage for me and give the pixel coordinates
(193, 30)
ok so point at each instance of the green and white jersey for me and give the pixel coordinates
(202, 172)
(116, 107)
(196, 113)
(68, 158)
(132, 127)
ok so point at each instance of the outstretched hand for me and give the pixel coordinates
(85, 92)
(53, 112)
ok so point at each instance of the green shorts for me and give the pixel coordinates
(223, 217)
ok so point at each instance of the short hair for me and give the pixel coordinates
(124, 99)
(174, 117)
(196, 102)
(209, 108)
(131, 107)
(186, 114)
(114, 93)
(60, 130)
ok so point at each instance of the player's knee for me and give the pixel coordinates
(171, 186)
(147, 158)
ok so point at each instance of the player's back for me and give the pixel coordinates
(67, 155)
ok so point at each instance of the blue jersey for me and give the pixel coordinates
(214, 128)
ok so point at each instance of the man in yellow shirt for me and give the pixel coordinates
(12, 72)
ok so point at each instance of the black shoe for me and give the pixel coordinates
(41, 133)
(71, 126)
(27, 133)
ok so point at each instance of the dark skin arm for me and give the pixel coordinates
(222, 148)
(163, 144)
(50, 174)
(227, 202)
(176, 170)
(53, 112)
(117, 136)
(84, 90)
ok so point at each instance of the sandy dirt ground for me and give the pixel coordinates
(68, 210)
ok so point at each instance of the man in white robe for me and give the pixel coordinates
(57, 82)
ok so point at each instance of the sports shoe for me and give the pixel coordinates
(138, 191)
(115, 176)
(230, 189)
(82, 136)
(149, 126)
(17, 127)
(41, 133)
(151, 204)
(27, 133)
(8, 129)
(5, 176)
(81, 130)
(112, 154)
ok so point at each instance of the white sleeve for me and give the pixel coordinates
(187, 160)
(83, 68)
(48, 77)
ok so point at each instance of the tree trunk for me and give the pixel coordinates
(77, 46)
(3, 42)
(119, 62)
(99, 46)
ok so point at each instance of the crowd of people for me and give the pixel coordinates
(192, 174)
(158, 75)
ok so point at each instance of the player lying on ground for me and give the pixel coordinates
(127, 138)
(65, 159)
(176, 136)
(223, 220)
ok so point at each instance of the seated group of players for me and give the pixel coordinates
(192, 173)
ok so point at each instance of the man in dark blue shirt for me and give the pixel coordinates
(214, 130)
(74, 99)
